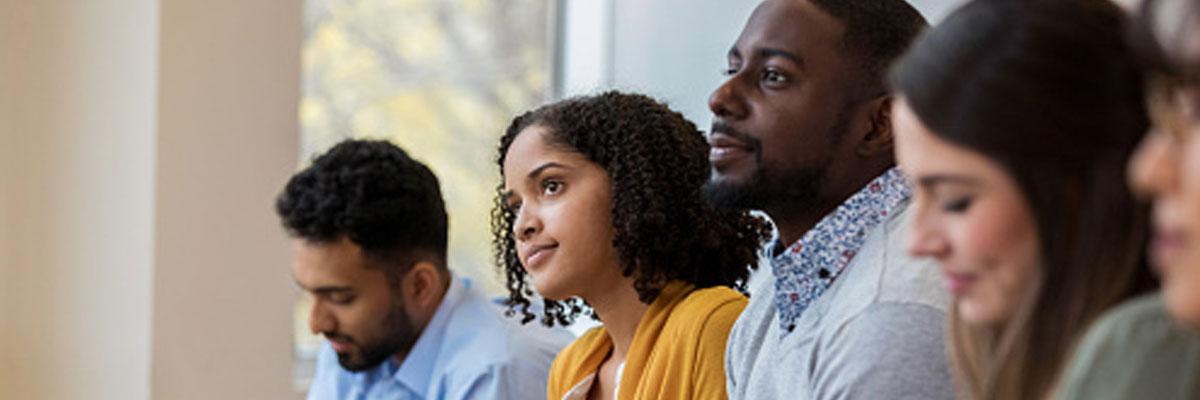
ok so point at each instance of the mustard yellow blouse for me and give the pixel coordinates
(678, 350)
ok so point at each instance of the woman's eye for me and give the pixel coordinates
(729, 71)
(512, 207)
(551, 187)
(1190, 101)
(958, 205)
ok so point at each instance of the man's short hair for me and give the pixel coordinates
(877, 33)
(374, 194)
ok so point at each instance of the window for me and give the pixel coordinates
(440, 78)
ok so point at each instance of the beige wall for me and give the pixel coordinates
(141, 142)
(228, 139)
(81, 131)
(8, 84)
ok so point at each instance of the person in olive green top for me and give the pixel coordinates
(1136, 352)
(1149, 348)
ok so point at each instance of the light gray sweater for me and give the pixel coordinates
(876, 333)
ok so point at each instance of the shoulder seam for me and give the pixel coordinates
(875, 305)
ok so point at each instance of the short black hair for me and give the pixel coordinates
(374, 194)
(664, 230)
(877, 33)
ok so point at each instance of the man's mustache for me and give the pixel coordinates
(751, 142)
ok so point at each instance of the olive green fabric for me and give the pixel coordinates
(1135, 351)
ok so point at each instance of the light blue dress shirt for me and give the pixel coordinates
(469, 350)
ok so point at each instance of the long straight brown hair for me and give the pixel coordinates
(1049, 90)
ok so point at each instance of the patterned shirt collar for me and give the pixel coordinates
(810, 265)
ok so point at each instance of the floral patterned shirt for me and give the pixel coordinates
(806, 268)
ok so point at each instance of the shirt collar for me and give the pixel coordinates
(414, 373)
(807, 267)
(861, 212)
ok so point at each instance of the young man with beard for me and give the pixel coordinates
(370, 228)
(801, 131)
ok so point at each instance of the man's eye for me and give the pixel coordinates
(341, 298)
(771, 75)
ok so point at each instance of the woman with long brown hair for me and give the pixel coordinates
(1014, 122)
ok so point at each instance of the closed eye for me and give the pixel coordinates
(958, 190)
(338, 296)
(341, 300)
(958, 205)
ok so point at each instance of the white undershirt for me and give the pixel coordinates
(581, 389)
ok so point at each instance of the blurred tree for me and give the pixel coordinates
(441, 79)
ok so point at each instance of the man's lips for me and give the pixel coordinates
(725, 149)
(339, 344)
(723, 140)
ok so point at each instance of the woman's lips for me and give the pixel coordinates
(1166, 246)
(539, 255)
(958, 283)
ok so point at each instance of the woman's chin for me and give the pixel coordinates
(979, 314)
(1183, 301)
(549, 290)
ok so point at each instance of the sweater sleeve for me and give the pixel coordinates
(892, 351)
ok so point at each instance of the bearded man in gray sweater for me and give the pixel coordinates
(801, 131)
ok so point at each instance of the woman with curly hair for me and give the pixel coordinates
(601, 206)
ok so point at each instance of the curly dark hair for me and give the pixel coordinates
(374, 194)
(664, 230)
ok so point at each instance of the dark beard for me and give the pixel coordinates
(771, 187)
(398, 335)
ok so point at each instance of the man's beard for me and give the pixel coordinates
(398, 334)
(771, 186)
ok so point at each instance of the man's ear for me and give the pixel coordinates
(879, 138)
(423, 285)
